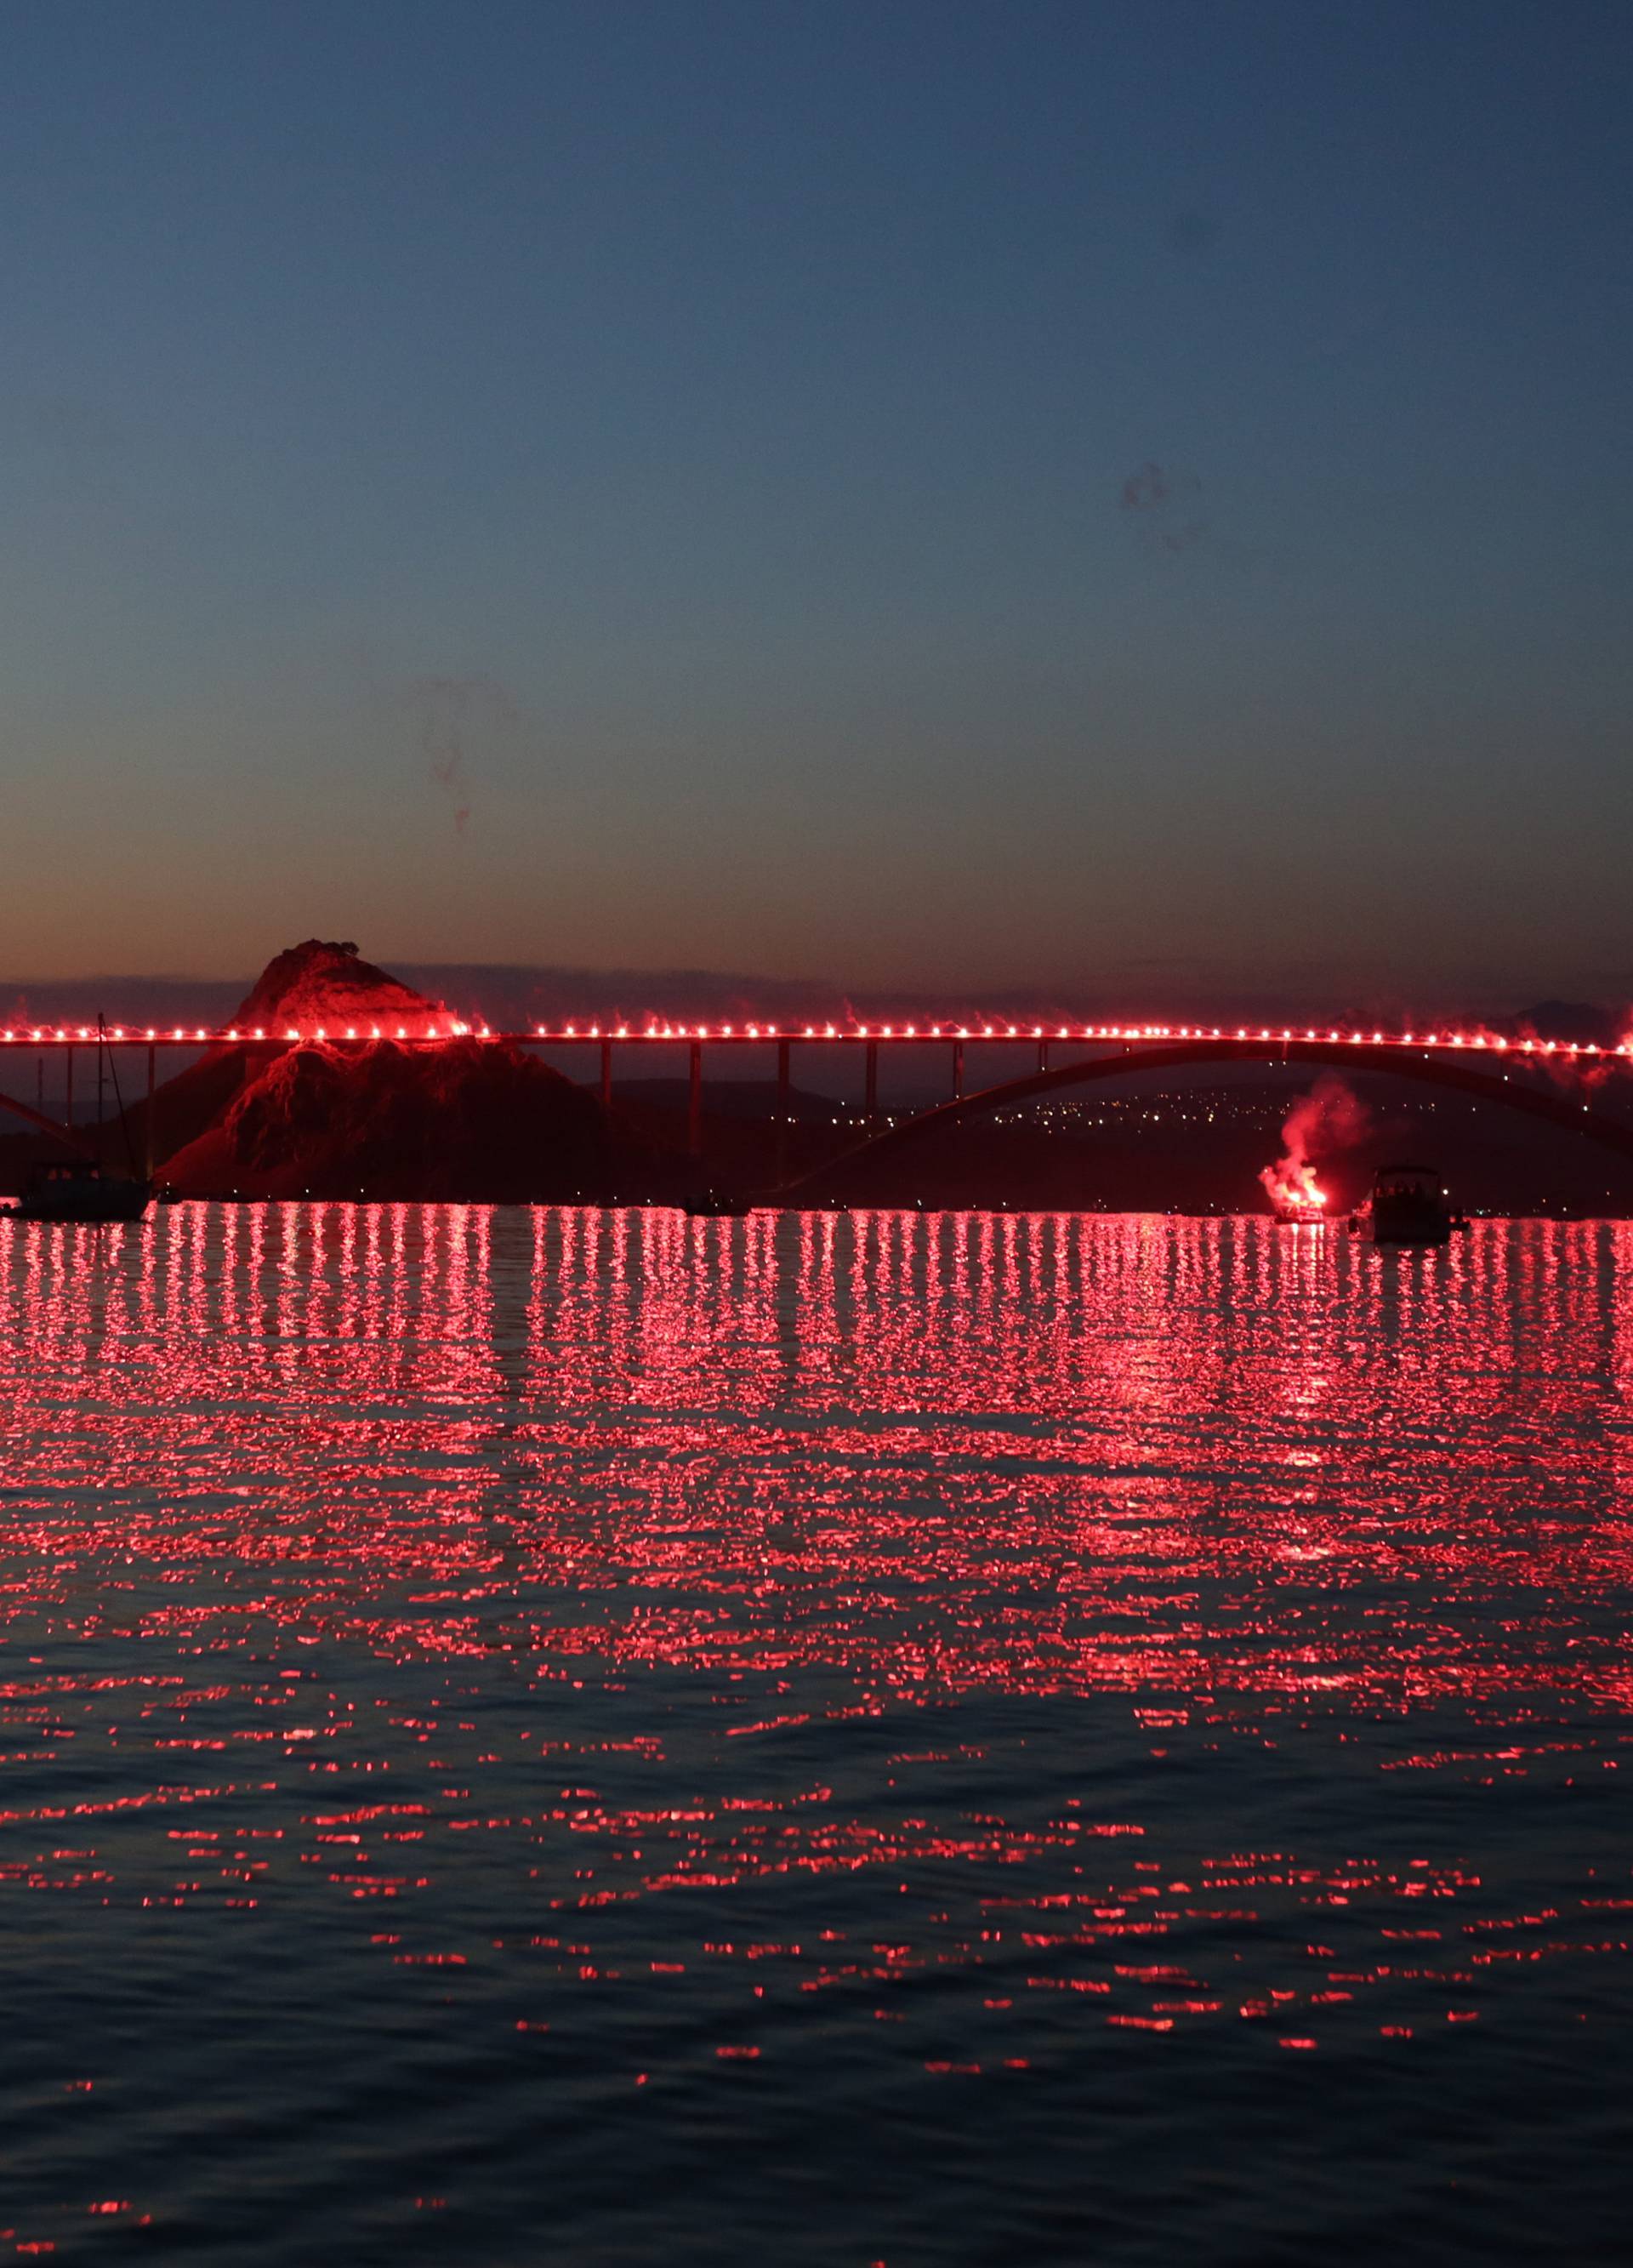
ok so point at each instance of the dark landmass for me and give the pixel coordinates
(475, 1121)
(1198, 1149)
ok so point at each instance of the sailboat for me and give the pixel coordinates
(80, 1188)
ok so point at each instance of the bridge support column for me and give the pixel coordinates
(68, 1108)
(871, 1105)
(147, 1122)
(1043, 1055)
(784, 1102)
(606, 1074)
(958, 1070)
(694, 1102)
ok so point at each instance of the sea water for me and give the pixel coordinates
(589, 1736)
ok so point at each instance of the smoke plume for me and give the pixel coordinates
(451, 709)
(1163, 499)
(1330, 1119)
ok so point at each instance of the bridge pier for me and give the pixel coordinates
(147, 1122)
(871, 1105)
(606, 1074)
(694, 1102)
(958, 1070)
(1043, 1055)
(784, 1100)
(68, 1108)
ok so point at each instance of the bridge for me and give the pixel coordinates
(1494, 1066)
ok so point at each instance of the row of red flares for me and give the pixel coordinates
(61, 1034)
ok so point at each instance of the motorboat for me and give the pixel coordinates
(1407, 1205)
(78, 1189)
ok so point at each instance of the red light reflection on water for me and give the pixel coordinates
(932, 1583)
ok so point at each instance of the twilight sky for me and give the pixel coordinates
(1128, 494)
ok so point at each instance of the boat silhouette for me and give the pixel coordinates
(82, 1189)
(1407, 1205)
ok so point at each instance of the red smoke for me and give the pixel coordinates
(1330, 1118)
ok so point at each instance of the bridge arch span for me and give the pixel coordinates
(37, 1118)
(1572, 1116)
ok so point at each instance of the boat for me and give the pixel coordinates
(1407, 1205)
(1305, 1211)
(1294, 1193)
(78, 1189)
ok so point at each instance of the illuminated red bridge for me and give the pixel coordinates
(1476, 1060)
(440, 1030)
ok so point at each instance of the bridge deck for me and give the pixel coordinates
(1249, 1040)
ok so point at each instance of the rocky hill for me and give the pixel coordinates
(468, 1119)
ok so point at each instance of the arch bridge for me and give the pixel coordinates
(1570, 1113)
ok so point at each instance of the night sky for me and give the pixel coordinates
(1131, 495)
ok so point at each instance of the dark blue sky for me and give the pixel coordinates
(925, 494)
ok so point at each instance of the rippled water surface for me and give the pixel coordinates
(599, 1737)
